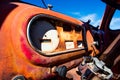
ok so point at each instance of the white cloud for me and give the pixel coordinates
(115, 23)
(95, 21)
(93, 17)
(76, 13)
(87, 17)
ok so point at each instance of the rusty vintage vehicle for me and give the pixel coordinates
(40, 44)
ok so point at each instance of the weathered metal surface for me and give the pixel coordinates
(17, 56)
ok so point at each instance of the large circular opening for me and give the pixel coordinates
(42, 35)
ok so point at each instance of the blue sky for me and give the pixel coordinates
(79, 9)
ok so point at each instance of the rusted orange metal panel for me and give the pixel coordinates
(17, 57)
